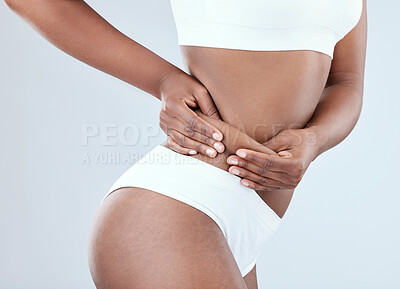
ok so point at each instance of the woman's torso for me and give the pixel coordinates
(265, 63)
(259, 93)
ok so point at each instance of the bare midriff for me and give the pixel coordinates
(258, 94)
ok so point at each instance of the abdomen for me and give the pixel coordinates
(258, 92)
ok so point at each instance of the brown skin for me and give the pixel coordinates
(235, 139)
(265, 97)
(298, 113)
(333, 119)
(180, 93)
(146, 239)
(141, 239)
(78, 30)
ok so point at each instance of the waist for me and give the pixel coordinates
(234, 138)
(219, 161)
(258, 92)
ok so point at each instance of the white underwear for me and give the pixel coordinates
(246, 221)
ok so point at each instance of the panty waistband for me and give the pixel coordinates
(210, 173)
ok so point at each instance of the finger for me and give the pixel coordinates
(206, 102)
(168, 122)
(261, 171)
(192, 121)
(271, 162)
(261, 180)
(176, 147)
(255, 186)
(185, 142)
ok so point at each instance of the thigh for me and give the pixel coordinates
(142, 239)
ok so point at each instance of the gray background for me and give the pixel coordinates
(341, 229)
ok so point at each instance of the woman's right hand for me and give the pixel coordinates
(188, 133)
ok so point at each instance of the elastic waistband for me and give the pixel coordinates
(210, 173)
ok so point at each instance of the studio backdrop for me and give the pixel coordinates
(69, 131)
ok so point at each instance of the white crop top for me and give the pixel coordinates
(265, 25)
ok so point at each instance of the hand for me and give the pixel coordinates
(188, 133)
(296, 149)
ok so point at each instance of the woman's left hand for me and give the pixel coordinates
(296, 149)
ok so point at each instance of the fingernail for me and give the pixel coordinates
(210, 152)
(217, 136)
(235, 172)
(232, 161)
(244, 183)
(219, 147)
(192, 152)
(284, 154)
(241, 154)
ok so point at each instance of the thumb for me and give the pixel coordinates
(206, 104)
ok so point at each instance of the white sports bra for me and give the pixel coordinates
(266, 25)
